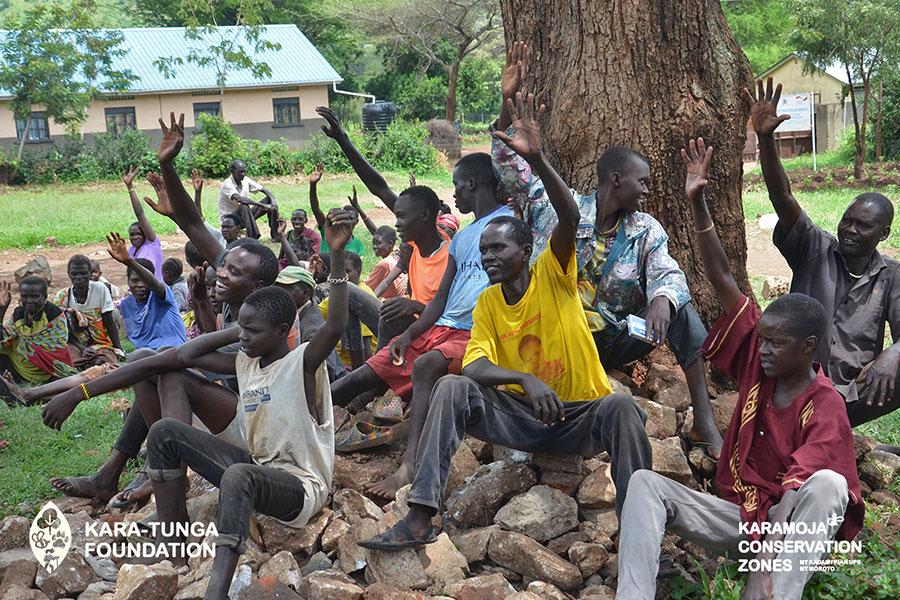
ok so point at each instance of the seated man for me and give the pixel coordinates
(150, 313)
(788, 455)
(434, 345)
(570, 411)
(624, 266)
(33, 343)
(284, 472)
(855, 283)
(234, 197)
(93, 333)
(299, 229)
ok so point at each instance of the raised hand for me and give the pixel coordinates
(118, 249)
(764, 108)
(316, 175)
(5, 294)
(514, 71)
(197, 282)
(128, 177)
(412, 179)
(696, 162)
(333, 129)
(173, 138)
(526, 139)
(162, 205)
(354, 201)
(281, 227)
(196, 180)
(338, 228)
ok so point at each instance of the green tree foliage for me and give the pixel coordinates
(891, 115)
(761, 28)
(425, 28)
(862, 35)
(57, 57)
(223, 49)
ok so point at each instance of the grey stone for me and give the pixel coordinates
(14, 532)
(524, 555)
(541, 513)
(283, 568)
(481, 587)
(69, 579)
(143, 582)
(660, 419)
(317, 562)
(669, 460)
(473, 543)
(598, 490)
(588, 557)
(476, 502)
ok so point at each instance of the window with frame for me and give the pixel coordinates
(119, 120)
(38, 131)
(206, 108)
(287, 111)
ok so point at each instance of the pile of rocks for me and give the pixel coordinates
(520, 526)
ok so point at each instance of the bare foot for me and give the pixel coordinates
(9, 389)
(710, 440)
(85, 487)
(387, 488)
(139, 489)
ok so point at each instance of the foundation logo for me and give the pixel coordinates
(50, 537)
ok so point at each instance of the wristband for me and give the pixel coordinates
(707, 230)
(85, 392)
(343, 279)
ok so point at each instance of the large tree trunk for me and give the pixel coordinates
(450, 113)
(650, 74)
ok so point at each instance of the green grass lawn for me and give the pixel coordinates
(824, 206)
(85, 213)
(37, 453)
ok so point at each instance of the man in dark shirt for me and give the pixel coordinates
(858, 286)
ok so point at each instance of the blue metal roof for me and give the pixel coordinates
(298, 62)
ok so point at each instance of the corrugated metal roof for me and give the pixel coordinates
(298, 62)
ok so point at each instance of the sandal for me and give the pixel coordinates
(380, 542)
(140, 479)
(388, 408)
(360, 436)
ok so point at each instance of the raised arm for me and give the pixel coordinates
(286, 247)
(146, 227)
(5, 300)
(763, 109)
(511, 80)
(197, 182)
(203, 310)
(119, 251)
(338, 229)
(370, 177)
(354, 202)
(526, 142)
(314, 179)
(696, 162)
(185, 212)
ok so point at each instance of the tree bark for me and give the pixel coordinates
(650, 74)
(450, 113)
(21, 147)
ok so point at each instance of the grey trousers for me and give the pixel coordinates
(458, 406)
(656, 504)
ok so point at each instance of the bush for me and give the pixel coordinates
(215, 145)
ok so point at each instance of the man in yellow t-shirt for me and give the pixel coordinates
(531, 336)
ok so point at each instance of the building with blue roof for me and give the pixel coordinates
(280, 106)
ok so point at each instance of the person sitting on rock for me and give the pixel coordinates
(856, 284)
(93, 333)
(173, 270)
(624, 265)
(33, 343)
(573, 413)
(788, 455)
(234, 198)
(283, 472)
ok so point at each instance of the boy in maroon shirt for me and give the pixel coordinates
(788, 467)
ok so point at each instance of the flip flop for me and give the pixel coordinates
(8, 396)
(705, 446)
(360, 436)
(380, 543)
(388, 408)
(140, 479)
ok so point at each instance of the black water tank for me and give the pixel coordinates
(376, 116)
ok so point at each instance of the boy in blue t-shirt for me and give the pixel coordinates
(150, 313)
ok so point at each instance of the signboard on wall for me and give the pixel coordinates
(800, 108)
